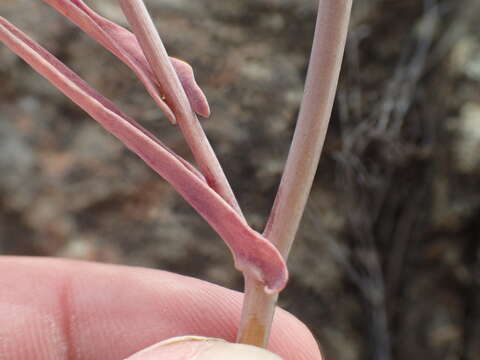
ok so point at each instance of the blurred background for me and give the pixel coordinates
(387, 262)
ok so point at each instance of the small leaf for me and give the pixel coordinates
(253, 254)
(123, 44)
(195, 95)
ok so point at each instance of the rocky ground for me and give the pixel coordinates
(387, 264)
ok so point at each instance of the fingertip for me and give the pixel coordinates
(182, 347)
(202, 348)
(292, 338)
(106, 321)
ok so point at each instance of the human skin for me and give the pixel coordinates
(63, 309)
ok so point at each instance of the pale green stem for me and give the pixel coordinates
(315, 111)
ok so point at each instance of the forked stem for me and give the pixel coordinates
(315, 111)
(156, 54)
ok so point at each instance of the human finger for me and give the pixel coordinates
(63, 309)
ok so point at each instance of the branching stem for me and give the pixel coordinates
(156, 54)
(321, 83)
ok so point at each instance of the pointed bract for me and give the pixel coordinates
(123, 44)
(195, 95)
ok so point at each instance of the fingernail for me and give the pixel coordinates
(202, 348)
(181, 347)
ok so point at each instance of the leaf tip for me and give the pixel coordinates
(196, 97)
(276, 284)
(265, 264)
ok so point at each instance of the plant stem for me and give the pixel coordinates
(156, 54)
(315, 111)
(257, 314)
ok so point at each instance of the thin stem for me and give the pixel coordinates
(315, 111)
(257, 314)
(321, 83)
(156, 54)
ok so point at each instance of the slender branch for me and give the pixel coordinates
(322, 78)
(253, 254)
(320, 88)
(156, 54)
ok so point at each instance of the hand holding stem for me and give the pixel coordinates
(262, 262)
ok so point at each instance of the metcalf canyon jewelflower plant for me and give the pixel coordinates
(171, 84)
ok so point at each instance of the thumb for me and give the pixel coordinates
(201, 348)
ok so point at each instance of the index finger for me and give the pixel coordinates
(61, 309)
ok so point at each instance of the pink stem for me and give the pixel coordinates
(156, 54)
(321, 84)
(253, 254)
